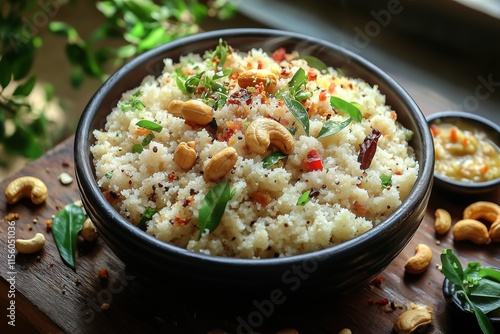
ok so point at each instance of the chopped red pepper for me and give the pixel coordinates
(313, 161)
(279, 54)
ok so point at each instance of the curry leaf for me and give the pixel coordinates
(329, 127)
(298, 80)
(487, 289)
(452, 268)
(144, 123)
(346, 107)
(299, 112)
(272, 159)
(66, 225)
(212, 207)
(314, 62)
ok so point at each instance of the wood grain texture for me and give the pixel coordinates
(56, 299)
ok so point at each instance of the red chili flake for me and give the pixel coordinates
(279, 54)
(371, 300)
(180, 221)
(243, 96)
(313, 161)
(382, 301)
(172, 177)
(322, 95)
(368, 148)
(187, 201)
(103, 274)
(259, 65)
(377, 281)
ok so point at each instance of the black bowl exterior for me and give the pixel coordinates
(337, 269)
(493, 132)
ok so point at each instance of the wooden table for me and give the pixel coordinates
(53, 299)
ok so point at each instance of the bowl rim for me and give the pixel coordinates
(92, 192)
(457, 185)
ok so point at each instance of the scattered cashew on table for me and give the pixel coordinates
(26, 186)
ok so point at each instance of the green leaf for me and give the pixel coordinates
(66, 225)
(25, 88)
(298, 80)
(330, 128)
(50, 91)
(491, 273)
(107, 8)
(483, 321)
(65, 30)
(76, 77)
(346, 107)
(299, 112)
(212, 207)
(144, 123)
(126, 51)
(314, 62)
(452, 268)
(147, 215)
(24, 142)
(272, 159)
(386, 180)
(155, 37)
(22, 65)
(304, 198)
(5, 72)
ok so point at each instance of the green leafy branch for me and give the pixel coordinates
(130, 28)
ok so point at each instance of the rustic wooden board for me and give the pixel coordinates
(54, 299)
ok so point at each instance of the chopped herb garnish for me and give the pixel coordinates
(330, 127)
(147, 139)
(133, 102)
(137, 148)
(149, 125)
(346, 107)
(273, 159)
(386, 180)
(147, 215)
(109, 175)
(219, 56)
(298, 81)
(212, 207)
(304, 198)
(477, 285)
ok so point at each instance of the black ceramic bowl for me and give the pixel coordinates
(338, 269)
(491, 129)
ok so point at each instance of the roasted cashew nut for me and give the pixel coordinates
(89, 232)
(488, 211)
(413, 319)
(26, 186)
(29, 246)
(418, 263)
(472, 230)
(264, 132)
(494, 232)
(197, 112)
(220, 164)
(175, 107)
(442, 223)
(185, 155)
(252, 78)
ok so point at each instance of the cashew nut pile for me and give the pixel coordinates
(472, 229)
